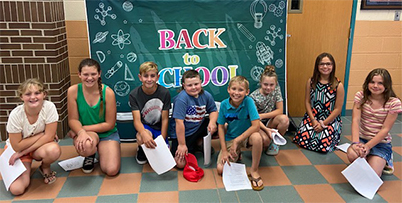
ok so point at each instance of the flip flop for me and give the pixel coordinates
(255, 180)
(48, 177)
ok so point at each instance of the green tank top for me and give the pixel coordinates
(89, 115)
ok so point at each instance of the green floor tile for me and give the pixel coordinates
(226, 196)
(290, 144)
(317, 158)
(152, 182)
(249, 195)
(303, 175)
(264, 161)
(130, 165)
(67, 141)
(2, 144)
(81, 186)
(350, 195)
(4, 194)
(396, 140)
(388, 177)
(280, 194)
(60, 172)
(200, 160)
(35, 201)
(118, 198)
(199, 196)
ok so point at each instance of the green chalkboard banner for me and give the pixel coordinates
(220, 39)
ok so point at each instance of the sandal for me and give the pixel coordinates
(255, 180)
(48, 177)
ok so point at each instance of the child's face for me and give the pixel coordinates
(325, 66)
(192, 86)
(376, 85)
(33, 97)
(237, 92)
(89, 76)
(268, 84)
(149, 78)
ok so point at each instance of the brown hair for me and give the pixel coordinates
(269, 71)
(239, 79)
(190, 74)
(91, 62)
(387, 82)
(147, 66)
(29, 83)
(316, 74)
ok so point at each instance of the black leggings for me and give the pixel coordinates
(191, 141)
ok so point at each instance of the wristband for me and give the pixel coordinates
(354, 143)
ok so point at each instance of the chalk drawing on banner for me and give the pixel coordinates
(258, 15)
(256, 72)
(127, 6)
(100, 37)
(250, 47)
(264, 53)
(120, 39)
(108, 52)
(278, 63)
(113, 69)
(280, 50)
(101, 56)
(131, 57)
(125, 21)
(127, 73)
(245, 32)
(140, 20)
(277, 10)
(104, 13)
(274, 34)
(122, 88)
(118, 103)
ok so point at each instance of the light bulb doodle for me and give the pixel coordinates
(104, 13)
(113, 69)
(264, 53)
(274, 35)
(256, 72)
(258, 16)
(277, 10)
(245, 32)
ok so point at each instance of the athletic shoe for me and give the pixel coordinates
(89, 164)
(141, 158)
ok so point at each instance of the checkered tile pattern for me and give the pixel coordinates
(294, 175)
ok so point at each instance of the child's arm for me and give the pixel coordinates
(276, 112)
(213, 117)
(265, 129)
(340, 93)
(255, 127)
(165, 123)
(225, 153)
(20, 144)
(356, 116)
(146, 137)
(307, 104)
(182, 150)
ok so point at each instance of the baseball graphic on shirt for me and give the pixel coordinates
(152, 111)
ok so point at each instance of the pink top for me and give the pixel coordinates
(372, 120)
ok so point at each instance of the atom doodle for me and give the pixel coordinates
(274, 34)
(256, 72)
(120, 39)
(264, 53)
(104, 13)
(277, 10)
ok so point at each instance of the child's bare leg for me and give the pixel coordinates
(47, 153)
(265, 138)
(256, 141)
(280, 122)
(352, 154)
(377, 163)
(20, 184)
(109, 157)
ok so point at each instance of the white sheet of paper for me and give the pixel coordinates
(235, 177)
(10, 173)
(362, 178)
(343, 147)
(207, 149)
(160, 158)
(73, 163)
(278, 138)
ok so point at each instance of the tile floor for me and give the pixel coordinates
(294, 175)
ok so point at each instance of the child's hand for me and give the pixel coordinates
(14, 157)
(82, 139)
(148, 140)
(212, 128)
(232, 152)
(317, 126)
(365, 149)
(181, 152)
(225, 157)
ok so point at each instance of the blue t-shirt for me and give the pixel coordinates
(238, 119)
(192, 110)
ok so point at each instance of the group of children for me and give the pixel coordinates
(242, 120)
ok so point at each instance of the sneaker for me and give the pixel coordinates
(89, 164)
(389, 168)
(141, 158)
(200, 148)
(272, 150)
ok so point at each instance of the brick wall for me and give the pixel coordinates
(33, 44)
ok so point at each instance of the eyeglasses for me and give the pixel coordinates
(327, 64)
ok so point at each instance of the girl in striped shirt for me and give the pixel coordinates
(375, 110)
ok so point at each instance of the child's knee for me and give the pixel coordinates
(219, 169)
(256, 138)
(351, 154)
(180, 163)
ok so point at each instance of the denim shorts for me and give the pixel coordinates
(383, 150)
(114, 137)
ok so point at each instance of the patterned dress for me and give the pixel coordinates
(322, 103)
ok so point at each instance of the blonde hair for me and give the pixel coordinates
(239, 79)
(269, 71)
(29, 83)
(148, 66)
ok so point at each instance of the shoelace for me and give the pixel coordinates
(89, 161)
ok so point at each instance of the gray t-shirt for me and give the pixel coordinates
(266, 104)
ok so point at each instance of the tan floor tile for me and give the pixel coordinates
(349, 137)
(292, 158)
(78, 172)
(342, 155)
(121, 184)
(218, 179)
(332, 173)
(68, 152)
(76, 199)
(390, 191)
(273, 176)
(128, 149)
(4, 201)
(397, 150)
(400, 135)
(158, 197)
(318, 193)
(39, 190)
(207, 182)
(398, 169)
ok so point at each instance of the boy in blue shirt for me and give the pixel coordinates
(242, 129)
